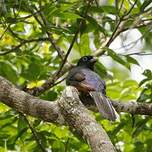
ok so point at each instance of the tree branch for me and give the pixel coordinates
(78, 117)
(133, 107)
(64, 67)
(67, 109)
(15, 48)
(49, 34)
(27, 104)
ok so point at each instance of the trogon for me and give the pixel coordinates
(87, 81)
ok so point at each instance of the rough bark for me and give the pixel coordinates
(23, 102)
(27, 104)
(133, 107)
(78, 117)
(67, 109)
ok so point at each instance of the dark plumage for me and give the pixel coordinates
(87, 81)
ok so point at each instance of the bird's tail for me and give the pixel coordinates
(104, 106)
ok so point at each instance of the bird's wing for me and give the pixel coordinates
(104, 105)
(78, 79)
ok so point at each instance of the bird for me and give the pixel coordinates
(87, 81)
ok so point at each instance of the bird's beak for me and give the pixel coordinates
(94, 59)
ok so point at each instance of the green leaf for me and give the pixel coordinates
(101, 69)
(129, 83)
(19, 27)
(131, 60)
(109, 9)
(118, 128)
(36, 69)
(7, 70)
(143, 81)
(145, 4)
(140, 126)
(51, 96)
(67, 15)
(32, 72)
(147, 73)
(106, 9)
(84, 45)
(22, 124)
(95, 24)
(117, 58)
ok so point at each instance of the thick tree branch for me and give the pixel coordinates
(78, 117)
(49, 111)
(133, 107)
(128, 107)
(67, 109)
(27, 104)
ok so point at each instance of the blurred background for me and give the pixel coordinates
(36, 36)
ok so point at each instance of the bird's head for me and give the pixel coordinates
(87, 61)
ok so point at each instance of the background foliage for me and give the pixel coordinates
(34, 38)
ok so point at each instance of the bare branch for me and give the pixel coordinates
(133, 107)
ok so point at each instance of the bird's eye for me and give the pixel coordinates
(85, 59)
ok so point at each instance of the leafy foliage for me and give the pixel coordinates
(31, 33)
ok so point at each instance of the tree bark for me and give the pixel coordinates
(68, 109)
(79, 118)
(27, 104)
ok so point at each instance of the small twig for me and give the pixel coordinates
(49, 34)
(12, 50)
(58, 82)
(4, 31)
(73, 40)
(114, 32)
(15, 48)
(68, 52)
(37, 139)
(14, 34)
(137, 53)
(136, 26)
(131, 8)
(117, 5)
(66, 145)
(121, 6)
